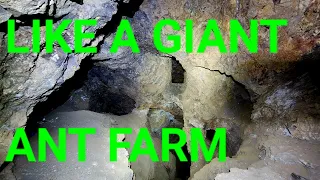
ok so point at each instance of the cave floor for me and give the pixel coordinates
(97, 165)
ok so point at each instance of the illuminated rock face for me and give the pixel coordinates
(252, 95)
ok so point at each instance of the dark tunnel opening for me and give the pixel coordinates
(210, 134)
(183, 167)
(310, 64)
(234, 140)
(177, 73)
(100, 98)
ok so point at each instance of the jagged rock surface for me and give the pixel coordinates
(27, 79)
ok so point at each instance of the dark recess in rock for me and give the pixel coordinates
(3, 166)
(78, 1)
(183, 168)
(177, 73)
(104, 94)
(310, 64)
(233, 140)
(4, 27)
(210, 134)
(103, 101)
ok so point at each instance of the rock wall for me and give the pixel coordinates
(214, 80)
(27, 79)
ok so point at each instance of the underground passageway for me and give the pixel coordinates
(92, 99)
(268, 103)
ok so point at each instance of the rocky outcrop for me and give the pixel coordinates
(27, 79)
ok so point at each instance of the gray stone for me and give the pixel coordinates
(250, 174)
(4, 15)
